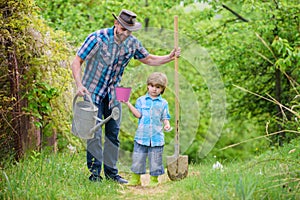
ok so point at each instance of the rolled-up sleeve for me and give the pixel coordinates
(88, 47)
(140, 52)
(166, 114)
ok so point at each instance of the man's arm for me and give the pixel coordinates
(154, 60)
(76, 70)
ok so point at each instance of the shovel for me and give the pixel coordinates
(177, 165)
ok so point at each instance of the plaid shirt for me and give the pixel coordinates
(150, 125)
(106, 61)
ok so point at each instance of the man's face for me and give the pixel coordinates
(121, 33)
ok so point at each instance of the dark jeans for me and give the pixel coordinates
(107, 155)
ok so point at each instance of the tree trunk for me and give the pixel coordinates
(278, 93)
(14, 78)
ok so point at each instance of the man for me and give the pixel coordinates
(106, 53)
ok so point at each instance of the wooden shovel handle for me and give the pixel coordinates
(176, 89)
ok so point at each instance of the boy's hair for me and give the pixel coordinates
(158, 78)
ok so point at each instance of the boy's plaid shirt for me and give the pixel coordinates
(150, 125)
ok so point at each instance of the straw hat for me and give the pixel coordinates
(128, 20)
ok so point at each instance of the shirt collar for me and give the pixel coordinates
(111, 33)
(157, 98)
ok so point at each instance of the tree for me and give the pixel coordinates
(261, 56)
(34, 78)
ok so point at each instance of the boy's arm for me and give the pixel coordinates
(134, 111)
(166, 118)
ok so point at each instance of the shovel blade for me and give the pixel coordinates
(177, 167)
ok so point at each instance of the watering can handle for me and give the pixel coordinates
(75, 99)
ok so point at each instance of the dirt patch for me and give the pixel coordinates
(144, 190)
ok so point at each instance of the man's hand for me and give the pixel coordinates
(81, 91)
(175, 52)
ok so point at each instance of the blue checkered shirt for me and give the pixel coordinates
(106, 61)
(150, 125)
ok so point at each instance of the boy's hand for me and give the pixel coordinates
(125, 102)
(167, 126)
(169, 129)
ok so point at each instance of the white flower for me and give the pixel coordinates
(218, 165)
(71, 148)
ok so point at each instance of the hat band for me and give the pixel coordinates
(127, 24)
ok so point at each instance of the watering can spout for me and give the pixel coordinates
(115, 114)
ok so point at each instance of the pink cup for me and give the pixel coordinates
(123, 93)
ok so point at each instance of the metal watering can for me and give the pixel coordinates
(84, 123)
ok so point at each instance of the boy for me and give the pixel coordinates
(153, 114)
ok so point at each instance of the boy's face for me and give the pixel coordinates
(154, 90)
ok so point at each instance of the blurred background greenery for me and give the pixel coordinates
(245, 67)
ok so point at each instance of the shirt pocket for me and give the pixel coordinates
(158, 112)
(145, 110)
(106, 57)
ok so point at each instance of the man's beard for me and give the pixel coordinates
(120, 37)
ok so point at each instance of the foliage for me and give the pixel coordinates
(39, 98)
(245, 55)
(84, 17)
(14, 20)
(42, 77)
(261, 56)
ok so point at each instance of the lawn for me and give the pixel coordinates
(272, 175)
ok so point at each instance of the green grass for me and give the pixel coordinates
(272, 175)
